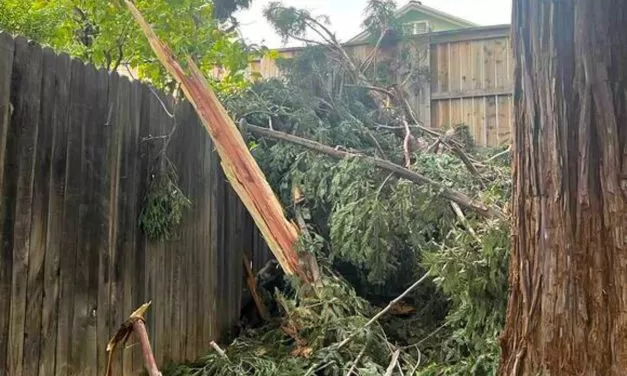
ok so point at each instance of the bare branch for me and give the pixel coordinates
(373, 54)
(383, 311)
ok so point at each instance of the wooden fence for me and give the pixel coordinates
(472, 83)
(471, 80)
(76, 146)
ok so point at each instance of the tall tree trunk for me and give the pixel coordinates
(567, 312)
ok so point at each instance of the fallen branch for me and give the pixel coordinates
(356, 361)
(239, 166)
(462, 218)
(457, 197)
(252, 287)
(498, 155)
(467, 162)
(406, 151)
(134, 324)
(218, 349)
(383, 311)
(393, 363)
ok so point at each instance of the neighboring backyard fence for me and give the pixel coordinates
(472, 82)
(76, 146)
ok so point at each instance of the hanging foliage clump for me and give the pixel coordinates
(164, 205)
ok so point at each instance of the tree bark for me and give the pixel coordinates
(567, 311)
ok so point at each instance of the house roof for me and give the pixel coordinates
(414, 5)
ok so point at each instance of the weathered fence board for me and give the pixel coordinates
(78, 147)
(27, 70)
(471, 84)
(56, 216)
(7, 47)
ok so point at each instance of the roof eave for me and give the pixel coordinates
(435, 13)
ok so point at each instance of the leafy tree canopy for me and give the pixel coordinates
(103, 33)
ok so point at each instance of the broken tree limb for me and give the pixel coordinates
(252, 287)
(457, 197)
(240, 168)
(393, 363)
(134, 324)
(218, 349)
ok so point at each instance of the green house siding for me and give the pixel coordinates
(436, 23)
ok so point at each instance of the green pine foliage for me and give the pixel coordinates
(322, 321)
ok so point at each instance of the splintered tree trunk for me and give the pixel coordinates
(567, 312)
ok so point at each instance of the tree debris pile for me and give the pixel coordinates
(306, 341)
(381, 202)
(377, 233)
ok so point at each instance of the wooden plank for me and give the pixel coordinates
(456, 112)
(471, 93)
(191, 181)
(445, 113)
(80, 354)
(106, 157)
(489, 61)
(26, 92)
(71, 211)
(144, 280)
(58, 122)
(476, 51)
(196, 187)
(181, 273)
(171, 327)
(509, 58)
(99, 235)
(236, 260)
(501, 50)
(39, 222)
(469, 115)
(200, 197)
(479, 129)
(443, 68)
(454, 74)
(466, 66)
(160, 124)
(92, 227)
(492, 126)
(208, 293)
(220, 216)
(7, 189)
(128, 212)
(167, 268)
(434, 68)
(504, 116)
(213, 244)
(117, 202)
(131, 288)
(226, 241)
(435, 118)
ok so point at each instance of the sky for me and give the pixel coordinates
(346, 15)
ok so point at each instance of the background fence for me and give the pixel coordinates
(472, 82)
(75, 152)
